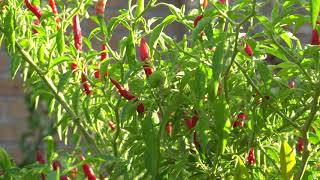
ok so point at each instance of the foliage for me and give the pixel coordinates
(199, 84)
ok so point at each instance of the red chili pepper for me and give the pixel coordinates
(73, 173)
(87, 88)
(100, 7)
(52, 4)
(315, 40)
(127, 95)
(148, 70)
(64, 177)
(77, 33)
(34, 9)
(74, 67)
(83, 78)
(291, 84)
(242, 116)
(111, 124)
(196, 143)
(40, 157)
(248, 49)
(191, 123)
(88, 170)
(300, 145)
(238, 123)
(56, 165)
(104, 54)
(169, 128)
(144, 52)
(250, 158)
(36, 22)
(123, 92)
(196, 20)
(204, 4)
(222, 1)
(97, 74)
(140, 108)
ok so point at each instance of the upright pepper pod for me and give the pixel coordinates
(100, 7)
(169, 128)
(40, 157)
(204, 4)
(104, 54)
(144, 57)
(143, 49)
(88, 170)
(56, 165)
(77, 33)
(34, 9)
(315, 40)
(250, 158)
(40, 160)
(248, 49)
(53, 7)
(111, 125)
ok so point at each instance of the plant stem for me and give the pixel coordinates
(58, 95)
(257, 90)
(305, 129)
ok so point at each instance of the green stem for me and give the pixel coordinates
(58, 95)
(271, 106)
(291, 58)
(140, 7)
(305, 129)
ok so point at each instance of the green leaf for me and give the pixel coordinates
(5, 162)
(287, 160)
(241, 170)
(158, 30)
(63, 80)
(222, 124)
(217, 65)
(315, 7)
(58, 61)
(60, 41)
(76, 100)
(152, 150)
(275, 10)
(14, 65)
(265, 73)
(50, 146)
(131, 51)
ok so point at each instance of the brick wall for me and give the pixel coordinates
(13, 110)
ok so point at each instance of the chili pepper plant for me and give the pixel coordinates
(209, 105)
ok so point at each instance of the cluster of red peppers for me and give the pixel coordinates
(55, 165)
(240, 120)
(250, 158)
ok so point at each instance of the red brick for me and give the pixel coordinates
(10, 87)
(17, 108)
(12, 131)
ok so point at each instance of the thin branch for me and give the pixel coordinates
(305, 129)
